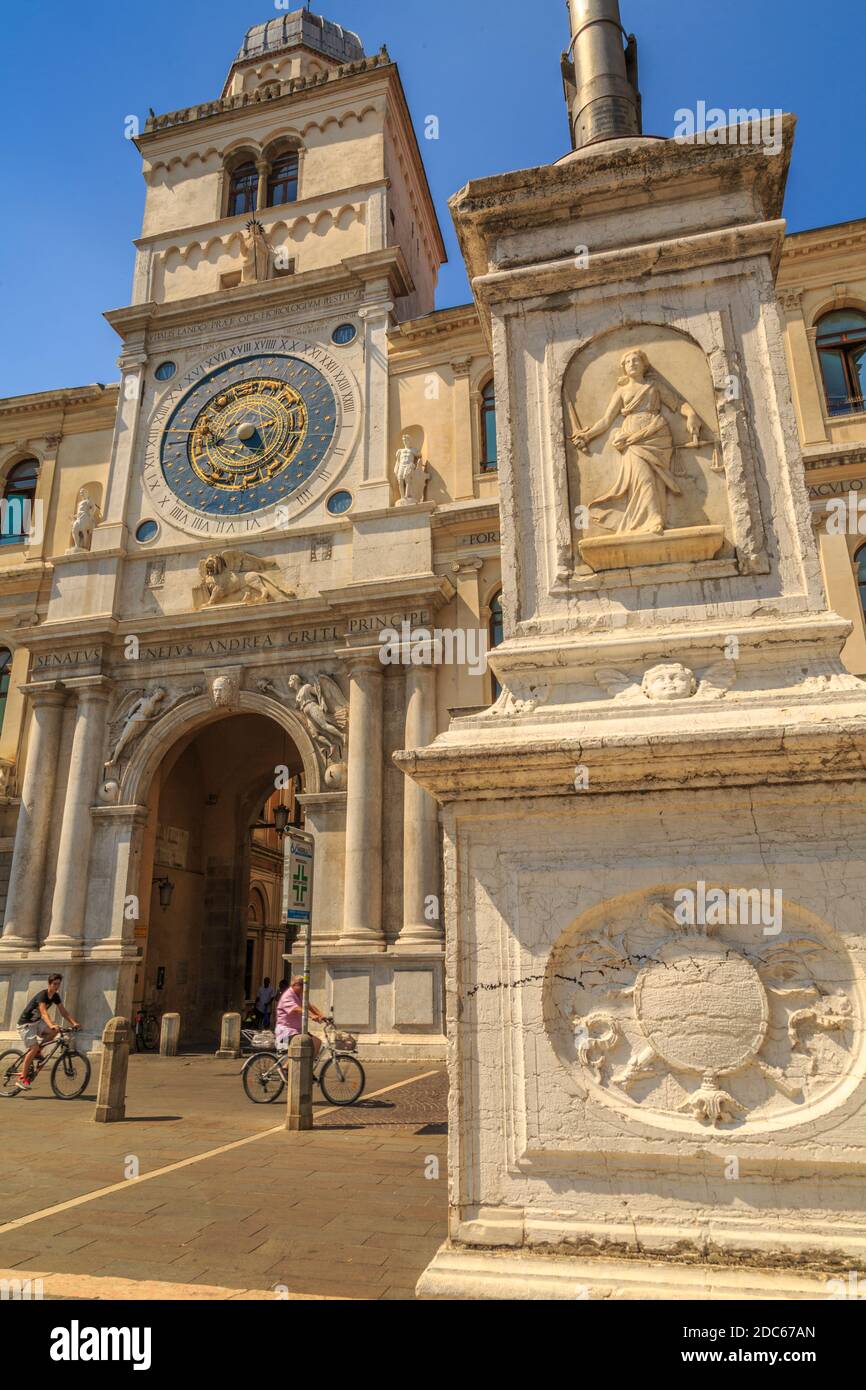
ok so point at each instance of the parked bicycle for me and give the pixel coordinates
(338, 1073)
(146, 1030)
(70, 1073)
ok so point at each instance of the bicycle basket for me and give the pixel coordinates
(265, 1040)
(346, 1042)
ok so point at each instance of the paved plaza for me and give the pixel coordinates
(227, 1203)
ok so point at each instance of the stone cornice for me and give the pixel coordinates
(61, 399)
(208, 112)
(296, 292)
(623, 175)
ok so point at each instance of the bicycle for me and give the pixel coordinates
(69, 1076)
(339, 1074)
(146, 1030)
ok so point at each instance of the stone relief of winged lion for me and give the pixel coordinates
(236, 577)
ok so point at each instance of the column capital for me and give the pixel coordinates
(91, 688)
(461, 366)
(44, 692)
(360, 659)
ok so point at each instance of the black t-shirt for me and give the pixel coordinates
(31, 1014)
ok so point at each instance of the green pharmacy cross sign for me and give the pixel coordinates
(298, 880)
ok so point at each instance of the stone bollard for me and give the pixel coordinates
(111, 1093)
(230, 1037)
(169, 1035)
(299, 1113)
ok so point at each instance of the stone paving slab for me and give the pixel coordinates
(343, 1211)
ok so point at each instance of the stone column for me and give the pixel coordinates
(362, 908)
(73, 855)
(263, 170)
(464, 453)
(420, 823)
(808, 389)
(21, 926)
(470, 690)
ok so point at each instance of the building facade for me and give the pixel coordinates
(300, 456)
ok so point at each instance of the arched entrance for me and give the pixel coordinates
(208, 854)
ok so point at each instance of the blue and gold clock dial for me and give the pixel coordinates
(249, 435)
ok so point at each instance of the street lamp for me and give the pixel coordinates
(281, 818)
(166, 888)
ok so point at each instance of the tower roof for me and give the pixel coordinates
(301, 29)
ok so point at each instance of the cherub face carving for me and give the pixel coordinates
(669, 682)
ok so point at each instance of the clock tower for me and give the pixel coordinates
(219, 617)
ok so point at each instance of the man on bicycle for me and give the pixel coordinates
(36, 1028)
(290, 1013)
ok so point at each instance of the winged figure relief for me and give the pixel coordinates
(668, 681)
(236, 577)
(325, 712)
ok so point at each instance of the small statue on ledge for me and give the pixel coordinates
(411, 474)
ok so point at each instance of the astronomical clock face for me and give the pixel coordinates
(241, 444)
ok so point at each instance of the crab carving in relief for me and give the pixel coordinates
(719, 1023)
(668, 681)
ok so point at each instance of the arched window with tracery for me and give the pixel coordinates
(19, 493)
(841, 338)
(488, 428)
(283, 178)
(243, 189)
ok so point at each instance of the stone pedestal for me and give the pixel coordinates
(655, 842)
(113, 1069)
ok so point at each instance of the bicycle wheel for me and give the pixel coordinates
(264, 1078)
(150, 1034)
(342, 1079)
(10, 1067)
(70, 1075)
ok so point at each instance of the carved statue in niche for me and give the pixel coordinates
(236, 577)
(325, 712)
(645, 443)
(85, 520)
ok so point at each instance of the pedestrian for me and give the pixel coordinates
(263, 1002)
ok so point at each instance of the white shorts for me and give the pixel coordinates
(284, 1035)
(30, 1033)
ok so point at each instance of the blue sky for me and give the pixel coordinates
(489, 69)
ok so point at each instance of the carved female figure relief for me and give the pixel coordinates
(646, 444)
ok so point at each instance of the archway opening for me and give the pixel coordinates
(212, 871)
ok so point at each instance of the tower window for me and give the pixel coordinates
(5, 673)
(19, 493)
(243, 190)
(283, 180)
(488, 428)
(842, 352)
